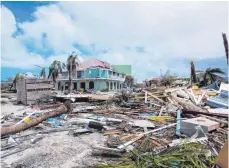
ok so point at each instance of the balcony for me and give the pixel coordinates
(110, 77)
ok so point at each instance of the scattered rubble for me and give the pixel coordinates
(161, 126)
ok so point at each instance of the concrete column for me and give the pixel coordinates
(112, 87)
(116, 85)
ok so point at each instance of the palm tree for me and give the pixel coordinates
(210, 75)
(43, 72)
(72, 65)
(54, 70)
(129, 80)
(193, 77)
(17, 77)
(225, 42)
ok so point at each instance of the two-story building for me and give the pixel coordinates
(93, 74)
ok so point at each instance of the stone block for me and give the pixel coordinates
(188, 127)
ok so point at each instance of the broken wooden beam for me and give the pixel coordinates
(33, 122)
(155, 97)
(143, 134)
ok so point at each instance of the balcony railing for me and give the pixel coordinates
(109, 77)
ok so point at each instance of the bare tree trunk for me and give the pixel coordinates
(225, 44)
(23, 126)
(193, 73)
(70, 78)
(54, 80)
(44, 76)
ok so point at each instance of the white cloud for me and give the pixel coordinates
(13, 49)
(167, 32)
(14, 54)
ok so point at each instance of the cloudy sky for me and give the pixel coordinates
(151, 36)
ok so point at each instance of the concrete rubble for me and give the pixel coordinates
(101, 129)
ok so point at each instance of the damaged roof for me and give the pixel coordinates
(94, 62)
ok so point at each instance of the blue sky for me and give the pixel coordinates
(151, 36)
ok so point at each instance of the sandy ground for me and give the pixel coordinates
(8, 104)
(58, 150)
(55, 149)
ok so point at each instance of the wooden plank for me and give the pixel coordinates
(155, 97)
(143, 134)
(162, 109)
(112, 132)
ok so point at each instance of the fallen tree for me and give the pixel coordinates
(23, 126)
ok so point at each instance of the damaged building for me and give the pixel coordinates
(94, 74)
(29, 90)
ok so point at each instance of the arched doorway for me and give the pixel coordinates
(82, 85)
(91, 85)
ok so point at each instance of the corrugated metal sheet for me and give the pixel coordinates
(93, 63)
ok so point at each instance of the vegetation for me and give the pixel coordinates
(129, 81)
(17, 77)
(72, 65)
(43, 72)
(187, 155)
(167, 78)
(193, 77)
(54, 70)
(209, 75)
(191, 155)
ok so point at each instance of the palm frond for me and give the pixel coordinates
(74, 63)
(69, 58)
(209, 74)
(51, 69)
(216, 70)
(43, 73)
(17, 77)
(59, 67)
(63, 65)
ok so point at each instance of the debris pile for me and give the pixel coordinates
(150, 127)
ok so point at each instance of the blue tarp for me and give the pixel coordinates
(215, 85)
